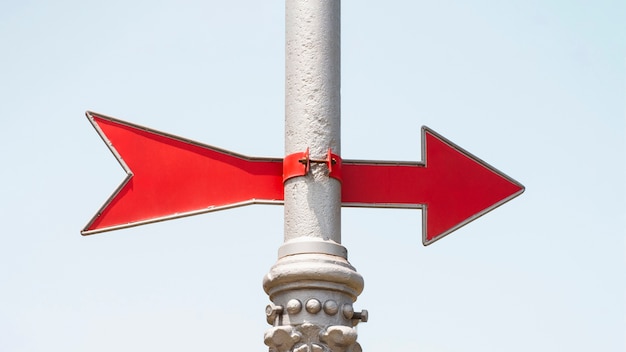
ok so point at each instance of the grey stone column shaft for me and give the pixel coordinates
(312, 286)
(312, 116)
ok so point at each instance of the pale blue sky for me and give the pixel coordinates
(535, 88)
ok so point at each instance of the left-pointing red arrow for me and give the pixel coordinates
(170, 177)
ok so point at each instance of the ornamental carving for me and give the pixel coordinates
(312, 338)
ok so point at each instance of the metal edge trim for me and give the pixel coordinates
(182, 215)
(91, 117)
(90, 114)
(426, 242)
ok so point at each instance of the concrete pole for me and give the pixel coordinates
(312, 286)
(312, 116)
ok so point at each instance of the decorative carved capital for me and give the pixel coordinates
(281, 338)
(340, 339)
(312, 338)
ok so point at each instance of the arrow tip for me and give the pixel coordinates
(466, 187)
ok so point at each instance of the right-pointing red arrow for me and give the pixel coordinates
(452, 186)
(169, 177)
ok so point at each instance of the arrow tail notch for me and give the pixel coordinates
(170, 177)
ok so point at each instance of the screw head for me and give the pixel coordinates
(271, 311)
(363, 316)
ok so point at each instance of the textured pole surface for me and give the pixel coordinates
(312, 116)
(312, 286)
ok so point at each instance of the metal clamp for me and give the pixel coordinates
(299, 164)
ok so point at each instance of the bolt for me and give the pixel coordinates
(271, 312)
(362, 315)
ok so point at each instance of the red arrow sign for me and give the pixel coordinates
(170, 177)
(452, 186)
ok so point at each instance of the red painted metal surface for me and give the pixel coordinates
(296, 164)
(452, 186)
(299, 164)
(171, 177)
